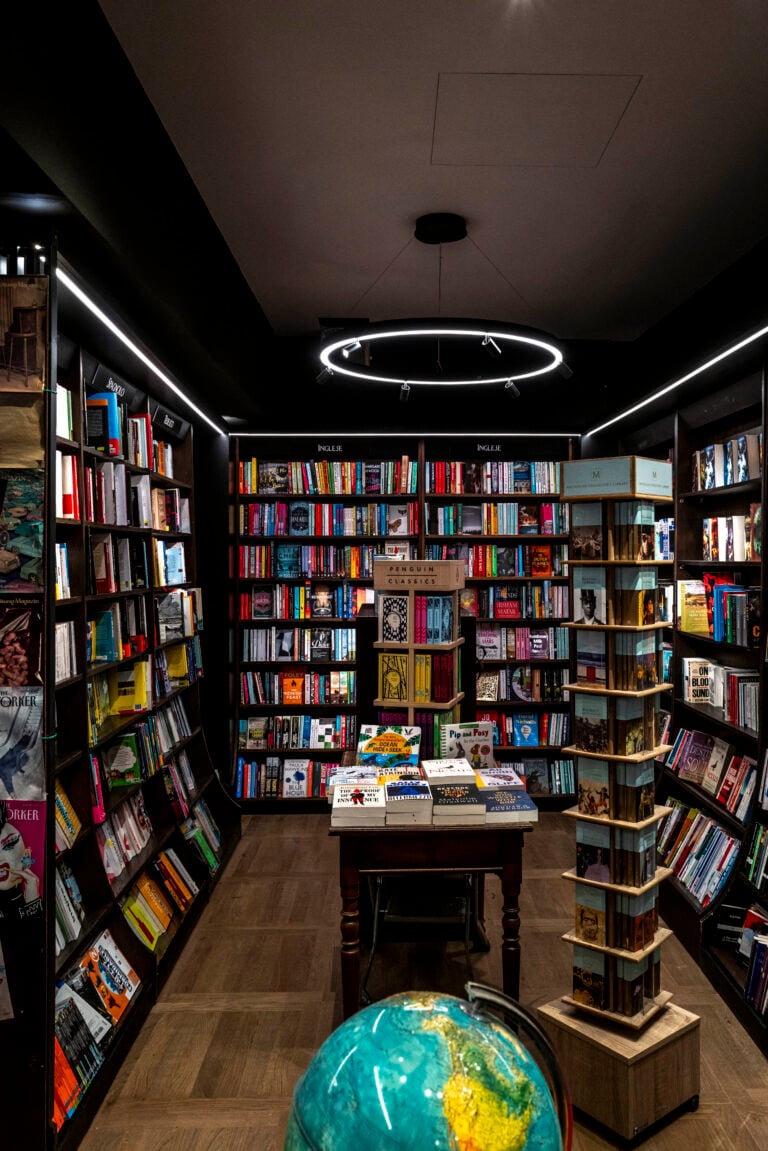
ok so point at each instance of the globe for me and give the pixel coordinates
(423, 1070)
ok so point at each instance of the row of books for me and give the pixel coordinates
(733, 538)
(117, 632)
(521, 601)
(534, 561)
(123, 835)
(328, 477)
(299, 645)
(339, 687)
(67, 490)
(699, 851)
(615, 726)
(293, 732)
(63, 586)
(295, 561)
(434, 677)
(738, 609)
(179, 614)
(607, 983)
(301, 518)
(65, 651)
(117, 563)
(638, 597)
(177, 666)
(733, 691)
(636, 659)
(615, 855)
(69, 910)
(710, 763)
(433, 618)
(169, 563)
(202, 834)
(275, 778)
(180, 783)
(89, 1003)
(497, 519)
(139, 754)
(622, 791)
(734, 461)
(304, 601)
(756, 862)
(415, 802)
(93, 997)
(110, 428)
(606, 918)
(67, 822)
(646, 539)
(521, 643)
(491, 477)
(524, 683)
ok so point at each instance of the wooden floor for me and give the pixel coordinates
(258, 989)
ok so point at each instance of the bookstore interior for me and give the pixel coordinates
(222, 615)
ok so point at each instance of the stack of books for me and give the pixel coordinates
(408, 802)
(358, 805)
(457, 803)
(447, 771)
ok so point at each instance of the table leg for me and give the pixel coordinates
(510, 928)
(349, 876)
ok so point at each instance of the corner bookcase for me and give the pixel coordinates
(307, 514)
(121, 663)
(710, 928)
(616, 681)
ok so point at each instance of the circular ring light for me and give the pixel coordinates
(333, 356)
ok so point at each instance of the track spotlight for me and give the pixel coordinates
(565, 371)
(490, 345)
(323, 377)
(405, 393)
(350, 348)
(512, 387)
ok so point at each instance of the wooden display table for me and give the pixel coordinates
(423, 850)
(626, 1080)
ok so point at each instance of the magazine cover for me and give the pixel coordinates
(21, 529)
(22, 858)
(21, 743)
(20, 627)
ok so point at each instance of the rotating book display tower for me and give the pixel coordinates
(616, 683)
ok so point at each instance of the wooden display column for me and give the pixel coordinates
(616, 936)
(405, 581)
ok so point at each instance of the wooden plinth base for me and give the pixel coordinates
(626, 1080)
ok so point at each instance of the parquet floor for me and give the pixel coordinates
(258, 988)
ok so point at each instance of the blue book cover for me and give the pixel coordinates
(503, 805)
(108, 401)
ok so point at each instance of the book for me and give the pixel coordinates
(500, 775)
(586, 532)
(393, 675)
(448, 771)
(111, 974)
(508, 805)
(590, 914)
(388, 747)
(358, 805)
(393, 619)
(457, 803)
(525, 729)
(21, 742)
(591, 722)
(593, 851)
(590, 978)
(593, 787)
(589, 593)
(295, 778)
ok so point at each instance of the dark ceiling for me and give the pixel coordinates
(609, 160)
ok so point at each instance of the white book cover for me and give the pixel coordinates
(500, 776)
(347, 773)
(358, 804)
(454, 770)
(95, 1021)
(295, 778)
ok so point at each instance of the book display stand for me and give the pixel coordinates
(616, 674)
(419, 643)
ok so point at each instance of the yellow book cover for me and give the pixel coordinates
(155, 898)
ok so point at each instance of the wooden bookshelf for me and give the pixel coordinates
(69, 364)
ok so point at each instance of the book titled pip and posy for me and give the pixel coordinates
(473, 741)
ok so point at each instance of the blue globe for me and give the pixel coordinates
(422, 1071)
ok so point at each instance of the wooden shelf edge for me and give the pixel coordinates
(660, 687)
(638, 757)
(617, 626)
(661, 936)
(659, 812)
(661, 874)
(634, 1022)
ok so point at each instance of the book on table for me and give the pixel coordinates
(457, 803)
(504, 805)
(358, 805)
(448, 771)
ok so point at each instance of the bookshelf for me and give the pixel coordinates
(504, 518)
(706, 507)
(109, 598)
(616, 682)
(436, 517)
(307, 519)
